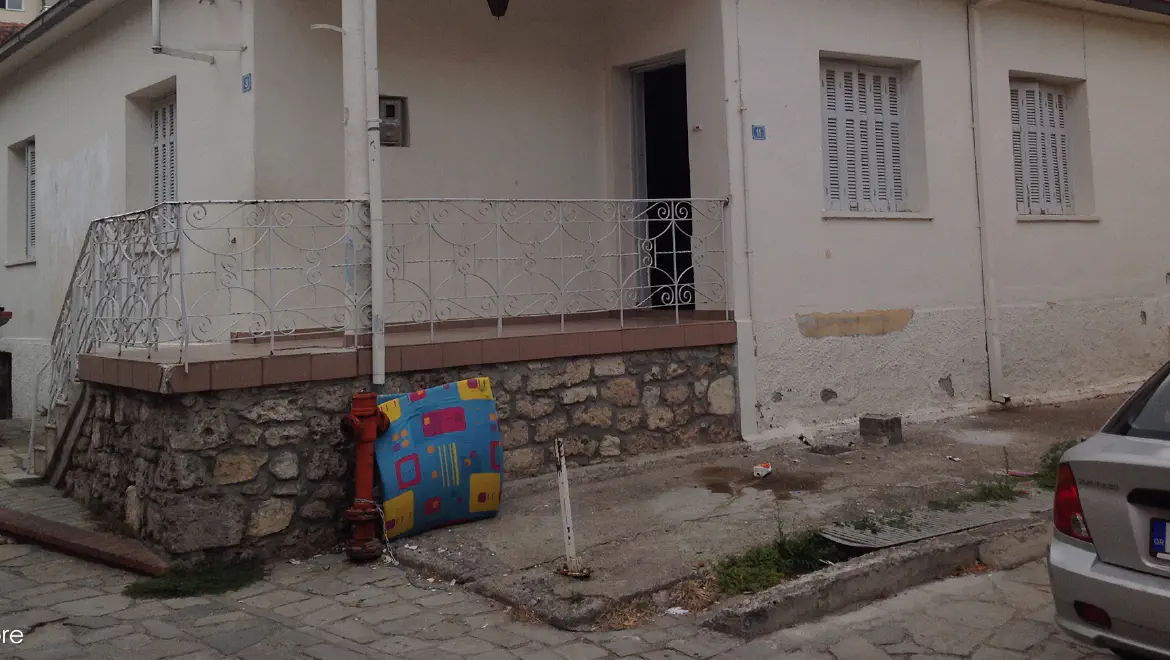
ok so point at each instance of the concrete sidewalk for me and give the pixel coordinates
(644, 526)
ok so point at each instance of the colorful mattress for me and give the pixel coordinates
(441, 461)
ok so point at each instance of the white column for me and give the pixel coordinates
(373, 145)
(353, 86)
(739, 253)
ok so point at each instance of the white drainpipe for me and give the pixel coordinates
(990, 294)
(374, 152)
(741, 277)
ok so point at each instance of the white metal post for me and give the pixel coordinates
(573, 567)
(374, 153)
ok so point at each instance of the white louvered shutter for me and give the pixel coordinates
(30, 170)
(862, 138)
(166, 175)
(1040, 145)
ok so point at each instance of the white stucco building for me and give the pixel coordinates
(932, 203)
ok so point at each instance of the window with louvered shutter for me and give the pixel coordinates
(30, 171)
(1040, 149)
(163, 126)
(863, 138)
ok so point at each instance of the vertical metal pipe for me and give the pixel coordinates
(180, 237)
(156, 25)
(621, 269)
(270, 235)
(499, 271)
(676, 208)
(374, 152)
(561, 283)
(990, 300)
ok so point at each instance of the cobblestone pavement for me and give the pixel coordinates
(13, 444)
(997, 616)
(324, 608)
(330, 610)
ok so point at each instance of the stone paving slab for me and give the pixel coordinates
(993, 616)
(645, 524)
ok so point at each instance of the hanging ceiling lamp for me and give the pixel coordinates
(498, 7)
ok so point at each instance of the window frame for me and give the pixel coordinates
(164, 182)
(877, 182)
(30, 199)
(1042, 149)
(8, 5)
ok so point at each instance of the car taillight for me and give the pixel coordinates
(1068, 516)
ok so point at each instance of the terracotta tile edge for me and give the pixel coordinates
(697, 334)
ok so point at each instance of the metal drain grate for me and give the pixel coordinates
(922, 524)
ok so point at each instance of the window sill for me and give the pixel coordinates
(873, 215)
(1058, 218)
(17, 264)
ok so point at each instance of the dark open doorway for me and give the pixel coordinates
(5, 385)
(666, 175)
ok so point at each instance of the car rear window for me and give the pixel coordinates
(1147, 414)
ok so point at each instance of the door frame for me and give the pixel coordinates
(641, 186)
(638, 110)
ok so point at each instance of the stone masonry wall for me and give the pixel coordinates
(267, 470)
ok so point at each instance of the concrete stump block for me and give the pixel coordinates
(881, 429)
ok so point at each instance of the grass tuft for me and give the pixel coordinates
(788, 557)
(1046, 478)
(204, 579)
(873, 524)
(1000, 490)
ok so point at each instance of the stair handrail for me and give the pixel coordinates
(69, 339)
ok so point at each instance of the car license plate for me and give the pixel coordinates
(1158, 539)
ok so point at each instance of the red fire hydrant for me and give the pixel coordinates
(364, 424)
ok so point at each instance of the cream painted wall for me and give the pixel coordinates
(805, 264)
(509, 108)
(536, 105)
(31, 9)
(1083, 304)
(73, 100)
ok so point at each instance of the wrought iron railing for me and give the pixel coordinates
(504, 259)
(194, 273)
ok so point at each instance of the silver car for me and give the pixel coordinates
(1108, 561)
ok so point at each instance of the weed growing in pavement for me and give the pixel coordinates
(991, 492)
(873, 524)
(787, 557)
(1046, 478)
(217, 577)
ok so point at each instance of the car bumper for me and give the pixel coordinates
(1138, 604)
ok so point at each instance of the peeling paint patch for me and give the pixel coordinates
(827, 395)
(947, 385)
(870, 323)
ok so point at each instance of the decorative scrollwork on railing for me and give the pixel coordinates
(472, 259)
(204, 272)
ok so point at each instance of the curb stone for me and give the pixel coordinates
(97, 546)
(1000, 546)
